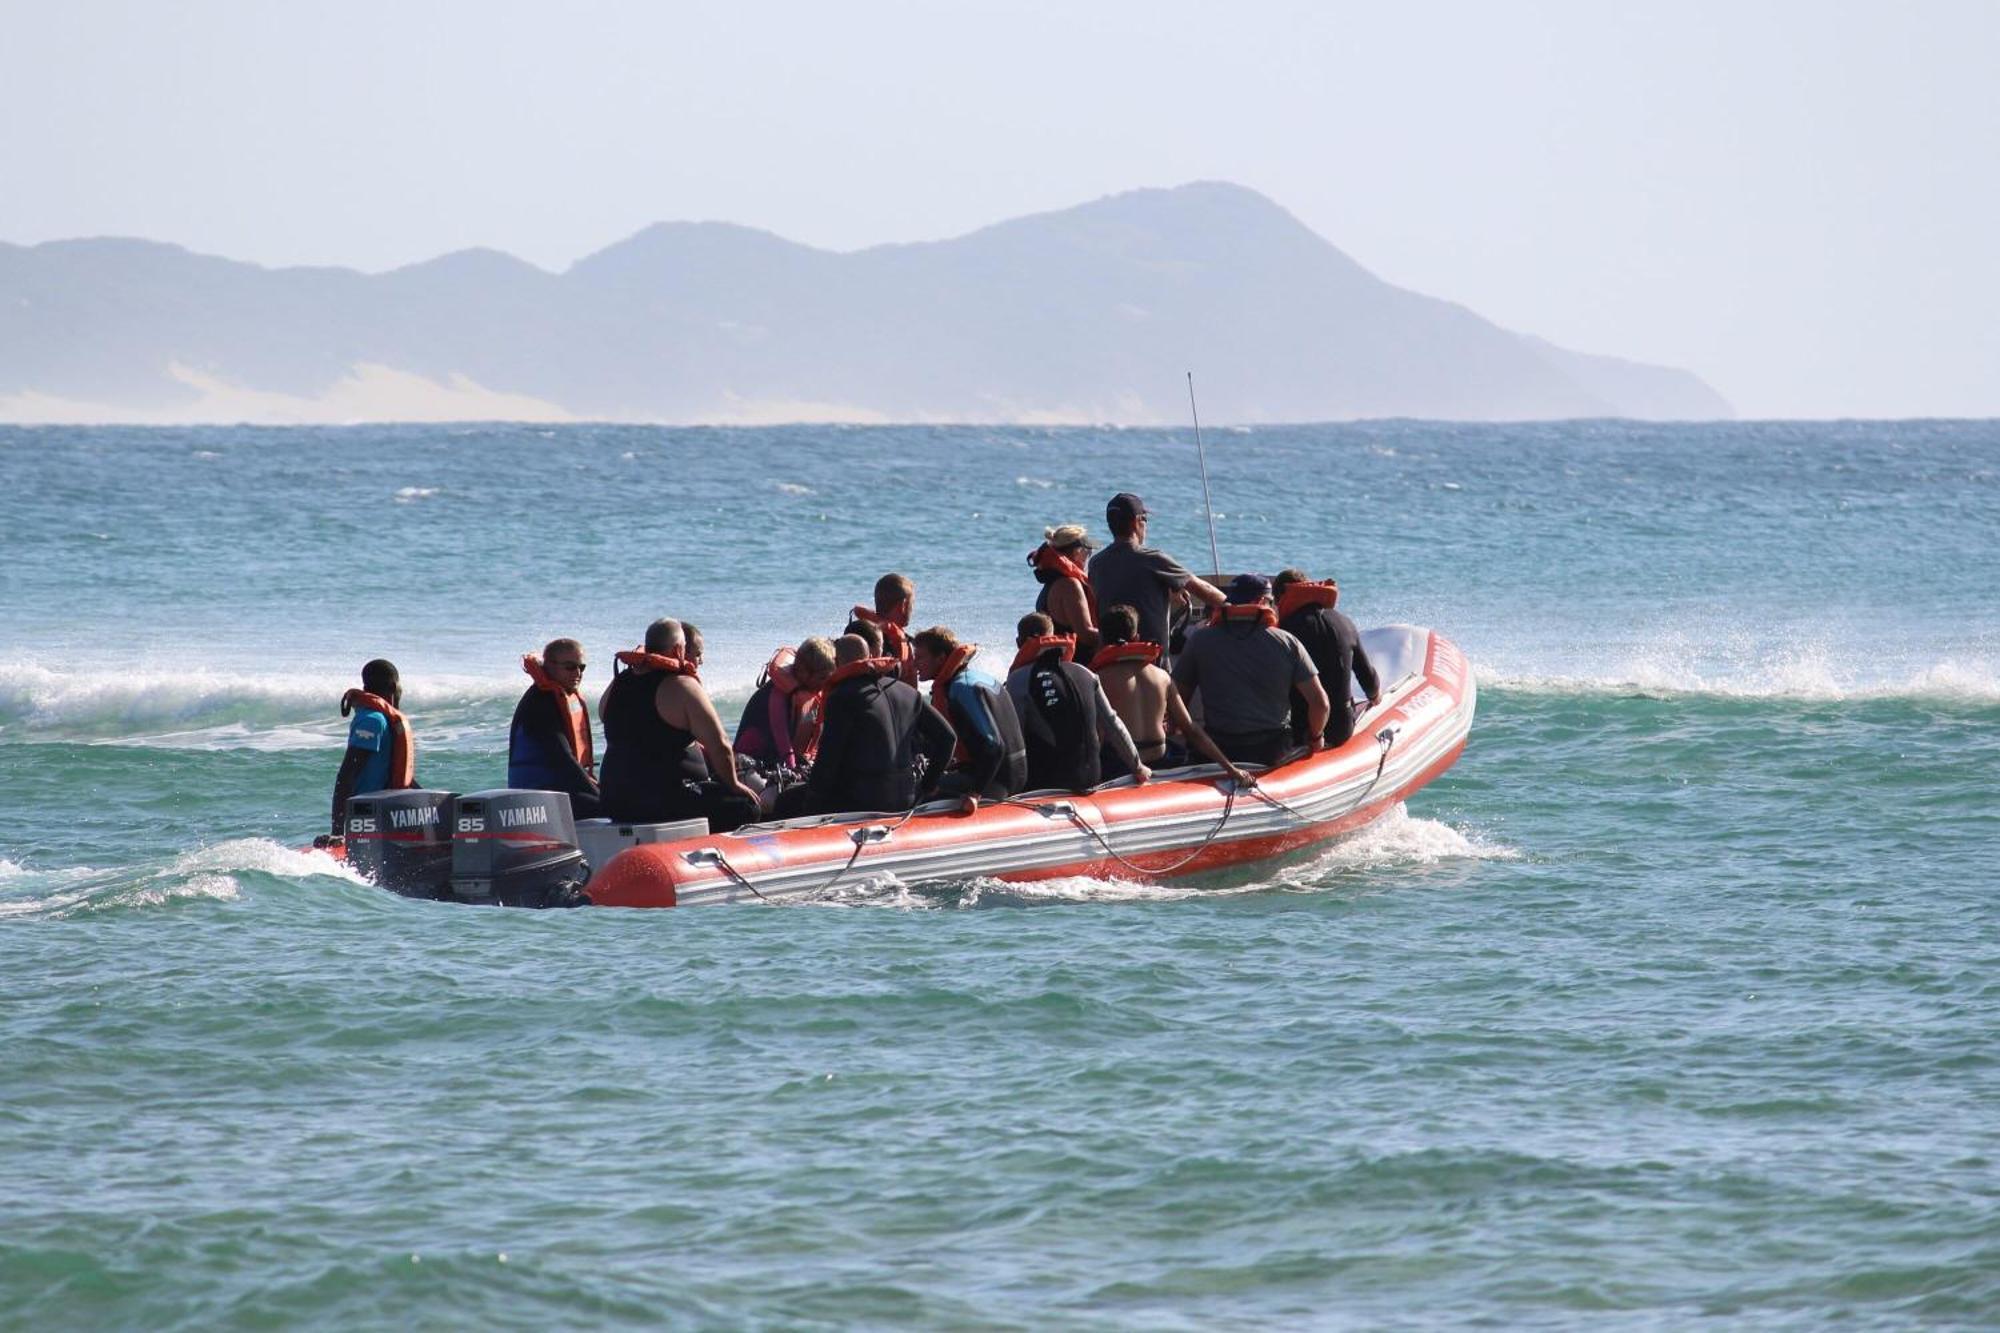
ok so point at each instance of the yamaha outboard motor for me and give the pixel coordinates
(517, 849)
(401, 840)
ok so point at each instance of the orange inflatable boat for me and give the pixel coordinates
(1186, 821)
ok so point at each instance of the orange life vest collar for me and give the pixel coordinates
(794, 709)
(1033, 649)
(1299, 596)
(402, 749)
(882, 620)
(1047, 560)
(779, 671)
(948, 672)
(1254, 614)
(576, 714)
(867, 666)
(540, 674)
(673, 666)
(877, 617)
(895, 639)
(1133, 650)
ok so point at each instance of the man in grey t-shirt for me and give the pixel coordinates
(1245, 668)
(1130, 573)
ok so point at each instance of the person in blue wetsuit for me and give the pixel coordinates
(548, 743)
(991, 761)
(381, 754)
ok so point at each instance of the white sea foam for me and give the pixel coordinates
(1398, 838)
(213, 710)
(206, 872)
(1806, 672)
(792, 488)
(407, 494)
(891, 892)
(1084, 889)
(258, 855)
(1035, 483)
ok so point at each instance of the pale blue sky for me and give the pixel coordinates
(1799, 201)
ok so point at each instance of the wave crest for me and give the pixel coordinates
(1810, 673)
(205, 872)
(268, 712)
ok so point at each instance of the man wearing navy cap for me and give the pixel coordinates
(1130, 573)
(1244, 668)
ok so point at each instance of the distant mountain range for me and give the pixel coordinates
(1090, 315)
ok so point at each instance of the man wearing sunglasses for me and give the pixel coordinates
(548, 746)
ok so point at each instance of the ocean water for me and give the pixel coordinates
(1674, 1001)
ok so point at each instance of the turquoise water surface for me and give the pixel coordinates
(1674, 999)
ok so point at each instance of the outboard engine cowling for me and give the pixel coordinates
(517, 849)
(401, 840)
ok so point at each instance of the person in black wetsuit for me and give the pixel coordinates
(874, 729)
(1065, 718)
(548, 745)
(661, 738)
(1306, 611)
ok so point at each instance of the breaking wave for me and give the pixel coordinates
(206, 872)
(1809, 673)
(205, 709)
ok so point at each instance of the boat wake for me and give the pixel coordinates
(1398, 840)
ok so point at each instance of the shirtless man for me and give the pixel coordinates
(1145, 697)
(662, 739)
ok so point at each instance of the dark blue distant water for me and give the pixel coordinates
(1676, 998)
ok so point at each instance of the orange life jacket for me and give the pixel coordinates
(575, 712)
(673, 666)
(941, 686)
(1047, 560)
(1034, 648)
(1134, 650)
(402, 749)
(895, 639)
(1299, 596)
(867, 666)
(1256, 613)
(801, 707)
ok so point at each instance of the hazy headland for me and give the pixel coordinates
(1085, 315)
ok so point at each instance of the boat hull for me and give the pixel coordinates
(1185, 822)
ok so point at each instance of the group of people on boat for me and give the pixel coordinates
(883, 716)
